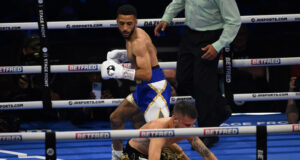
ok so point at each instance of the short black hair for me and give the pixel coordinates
(127, 9)
(185, 109)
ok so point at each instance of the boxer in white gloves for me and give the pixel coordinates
(151, 99)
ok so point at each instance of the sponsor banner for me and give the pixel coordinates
(259, 123)
(258, 95)
(113, 25)
(150, 23)
(45, 66)
(154, 22)
(11, 106)
(296, 127)
(11, 138)
(267, 61)
(260, 154)
(228, 66)
(179, 23)
(176, 99)
(91, 102)
(117, 101)
(83, 26)
(92, 135)
(160, 133)
(10, 28)
(11, 69)
(271, 19)
(84, 67)
(221, 131)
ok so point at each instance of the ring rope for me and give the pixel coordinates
(238, 63)
(150, 133)
(141, 22)
(59, 104)
(273, 96)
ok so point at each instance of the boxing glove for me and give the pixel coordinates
(111, 69)
(118, 55)
(127, 65)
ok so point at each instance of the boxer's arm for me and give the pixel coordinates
(179, 151)
(200, 147)
(155, 148)
(143, 71)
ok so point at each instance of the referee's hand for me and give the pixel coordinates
(161, 26)
(210, 53)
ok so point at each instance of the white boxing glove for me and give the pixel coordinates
(118, 55)
(127, 65)
(111, 69)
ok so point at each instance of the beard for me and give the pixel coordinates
(129, 34)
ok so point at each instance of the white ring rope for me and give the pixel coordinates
(150, 133)
(274, 96)
(164, 65)
(141, 22)
(58, 104)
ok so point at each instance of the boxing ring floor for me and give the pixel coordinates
(284, 146)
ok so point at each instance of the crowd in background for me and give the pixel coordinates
(89, 46)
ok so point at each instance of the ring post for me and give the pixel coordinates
(50, 146)
(227, 69)
(261, 143)
(43, 29)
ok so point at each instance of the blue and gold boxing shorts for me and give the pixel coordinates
(152, 97)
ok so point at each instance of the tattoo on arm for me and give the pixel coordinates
(198, 145)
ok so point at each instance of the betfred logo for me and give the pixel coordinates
(160, 133)
(296, 127)
(14, 69)
(267, 61)
(11, 138)
(90, 67)
(93, 135)
(221, 131)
